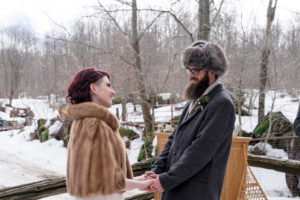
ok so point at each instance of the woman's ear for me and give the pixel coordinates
(93, 88)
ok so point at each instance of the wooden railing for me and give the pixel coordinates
(51, 187)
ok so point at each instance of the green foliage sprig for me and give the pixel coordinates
(202, 100)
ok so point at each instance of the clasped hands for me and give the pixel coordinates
(151, 182)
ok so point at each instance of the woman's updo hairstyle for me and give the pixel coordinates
(79, 88)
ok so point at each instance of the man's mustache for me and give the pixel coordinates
(194, 79)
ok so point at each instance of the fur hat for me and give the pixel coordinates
(206, 55)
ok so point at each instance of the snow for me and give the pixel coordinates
(40, 107)
(269, 151)
(165, 96)
(284, 104)
(5, 116)
(53, 129)
(273, 184)
(23, 161)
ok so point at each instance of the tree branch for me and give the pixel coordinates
(112, 18)
(124, 2)
(149, 25)
(95, 47)
(176, 19)
(217, 13)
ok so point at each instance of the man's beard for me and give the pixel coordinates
(195, 90)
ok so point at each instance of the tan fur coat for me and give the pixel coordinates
(97, 158)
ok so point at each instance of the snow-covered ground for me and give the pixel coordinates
(23, 161)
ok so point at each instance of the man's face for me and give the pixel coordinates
(195, 74)
(199, 82)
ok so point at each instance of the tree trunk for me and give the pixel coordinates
(203, 20)
(262, 84)
(139, 70)
(264, 62)
(124, 110)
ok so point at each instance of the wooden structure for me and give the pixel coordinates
(251, 189)
(236, 169)
(161, 141)
(51, 187)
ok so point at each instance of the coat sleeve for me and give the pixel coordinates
(217, 127)
(161, 161)
(297, 123)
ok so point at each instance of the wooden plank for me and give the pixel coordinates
(51, 187)
(286, 166)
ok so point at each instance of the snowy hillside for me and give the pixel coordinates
(24, 161)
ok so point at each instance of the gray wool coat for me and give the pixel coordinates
(192, 163)
(297, 123)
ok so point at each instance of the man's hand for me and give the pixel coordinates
(150, 175)
(156, 186)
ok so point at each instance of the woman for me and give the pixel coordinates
(97, 165)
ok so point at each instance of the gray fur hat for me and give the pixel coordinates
(205, 55)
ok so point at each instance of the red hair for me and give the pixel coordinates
(79, 88)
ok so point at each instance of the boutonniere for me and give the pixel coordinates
(201, 101)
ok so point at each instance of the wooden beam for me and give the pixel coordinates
(36, 190)
(286, 166)
(143, 196)
(51, 187)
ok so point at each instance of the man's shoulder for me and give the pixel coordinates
(222, 98)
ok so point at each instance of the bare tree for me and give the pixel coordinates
(265, 58)
(15, 44)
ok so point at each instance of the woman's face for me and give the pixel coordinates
(102, 92)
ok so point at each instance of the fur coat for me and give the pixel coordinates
(97, 161)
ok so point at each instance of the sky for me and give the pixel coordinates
(40, 15)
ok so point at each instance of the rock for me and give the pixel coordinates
(41, 122)
(127, 144)
(44, 135)
(33, 136)
(64, 131)
(124, 132)
(281, 127)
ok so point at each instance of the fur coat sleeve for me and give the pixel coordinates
(97, 159)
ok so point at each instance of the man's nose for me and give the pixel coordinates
(191, 75)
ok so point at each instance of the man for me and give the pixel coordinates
(192, 163)
(295, 154)
(297, 123)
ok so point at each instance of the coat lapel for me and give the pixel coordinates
(186, 119)
(211, 94)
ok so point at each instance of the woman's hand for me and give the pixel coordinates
(139, 178)
(131, 184)
(146, 185)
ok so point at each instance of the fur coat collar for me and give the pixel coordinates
(89, 109)
(97, 162)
